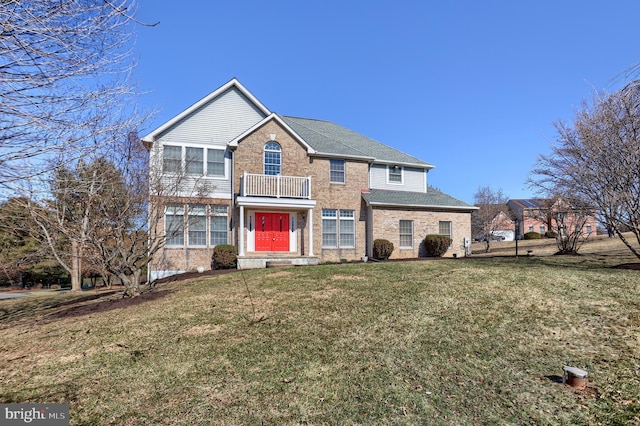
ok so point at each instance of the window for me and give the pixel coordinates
(174, 225)
(406, 233)
(588, 229)
(531, 229)
(338, 228)
(198, 217)
(195, 161)
(394, 174)
(444, 228)
(543, 229)
(171, 159)
(347, 228)
(218, 228)
(215, 162)
(197, 225)
(336, 171)
(272, 158)
(329, 228)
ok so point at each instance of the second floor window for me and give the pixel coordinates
(195, 161)
(215, 162)
(394, 174)
(272, 158)
(191, 160)
(171, 159)
(336, 171)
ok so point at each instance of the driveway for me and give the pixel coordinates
(12, 294)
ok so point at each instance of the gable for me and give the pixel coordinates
(216, 122)
(216, 119)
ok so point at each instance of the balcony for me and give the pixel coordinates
(276, 186)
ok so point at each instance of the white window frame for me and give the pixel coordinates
(337, 170)
(224, 163)
(269, 148)
(174, 237)
(196, 213)
(217, 212)
(343, 232)
(347, 217)
(403, 233)
(449, 225)
(329, 216)
(399, 173)
(171, 165)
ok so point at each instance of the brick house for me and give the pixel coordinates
(542, 215)
(287, 188)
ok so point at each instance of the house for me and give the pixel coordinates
(289, 189)
(495, 220)
(557, 215)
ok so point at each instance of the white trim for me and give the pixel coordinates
(232, 83)
(276, 203)
(276, 117)
(389, 168)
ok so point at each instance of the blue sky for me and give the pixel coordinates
(472, 87)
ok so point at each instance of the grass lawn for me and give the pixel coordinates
(468, 341)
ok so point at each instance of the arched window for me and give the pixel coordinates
(272, 158)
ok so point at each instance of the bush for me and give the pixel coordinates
(437, 245)
(550, 234)
(225, 256)
(532, 236)
(382, 249)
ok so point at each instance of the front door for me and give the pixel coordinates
(272, 232)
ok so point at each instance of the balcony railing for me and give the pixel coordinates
(278, 186)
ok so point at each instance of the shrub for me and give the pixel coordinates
(532, 236)
(225, 256)
(436, 245)
(382, 249)
(550, 234)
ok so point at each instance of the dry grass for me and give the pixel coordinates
(473, 341)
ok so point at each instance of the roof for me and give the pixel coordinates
(531, 203)
(432, 198)
(331, 139)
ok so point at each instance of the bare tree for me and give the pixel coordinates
(491, 203)
(595, 161)
(64, 80)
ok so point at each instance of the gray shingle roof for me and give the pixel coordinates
(331, 139)
(432, 198)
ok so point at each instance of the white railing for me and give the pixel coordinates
(276, 186)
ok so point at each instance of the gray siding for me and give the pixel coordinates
(414, 179)
(214, 124)
(217, 122)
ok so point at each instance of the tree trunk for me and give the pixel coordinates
(76, 268)
(131, 284)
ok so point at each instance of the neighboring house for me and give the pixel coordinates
(286, 188)
(542, 215)
(501, 225)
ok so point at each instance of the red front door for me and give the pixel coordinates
(272, 232)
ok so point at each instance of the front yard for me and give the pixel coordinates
(466, 341)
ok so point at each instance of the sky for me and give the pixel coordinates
(472, 87)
